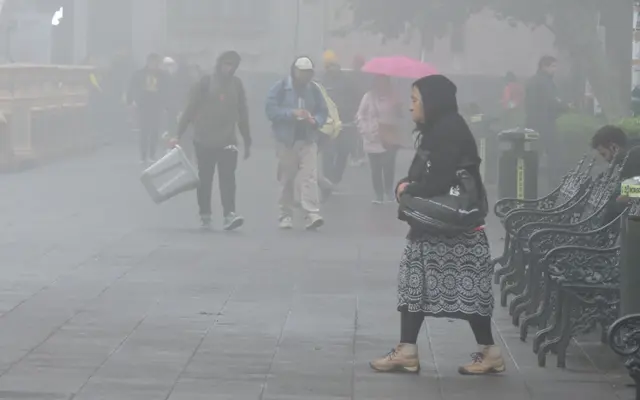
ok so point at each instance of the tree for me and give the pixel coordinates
(402, 19)
(575, 24)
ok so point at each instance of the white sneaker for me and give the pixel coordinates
(314, 221)
(205, 222)
(232, 221)
(286, 222)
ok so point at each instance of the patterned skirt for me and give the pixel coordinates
(447, 276)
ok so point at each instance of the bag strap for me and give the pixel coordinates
(317, 94)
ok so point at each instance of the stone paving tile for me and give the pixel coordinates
(105, 296)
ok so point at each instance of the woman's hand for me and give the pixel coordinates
(401, 188)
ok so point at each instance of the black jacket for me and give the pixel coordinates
(542, 105)
(343, 90)
(447, 142)
(149, 90)
(217, 105)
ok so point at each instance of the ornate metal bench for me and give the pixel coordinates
(540, 244)
(541, 237)
(522, 225)
(557, 197)
(518, 212)
(624, 340)
(586, 228)
(581, 286)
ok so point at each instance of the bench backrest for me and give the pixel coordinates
(595, 207)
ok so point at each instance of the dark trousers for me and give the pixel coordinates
(150, 125)
(226, 159)
(410, 324)
(383, 171)
(336, 155)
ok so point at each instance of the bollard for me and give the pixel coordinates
(518, 164)
(629, 268)
(630, 252)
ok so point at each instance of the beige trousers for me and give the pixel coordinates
(298, 175)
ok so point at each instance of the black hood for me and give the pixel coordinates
(438, 97)
(229, 56)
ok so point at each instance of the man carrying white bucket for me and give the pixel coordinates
(217, 105)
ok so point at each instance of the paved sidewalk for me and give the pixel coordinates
(104, 295)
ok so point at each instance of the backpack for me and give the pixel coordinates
(333, 126)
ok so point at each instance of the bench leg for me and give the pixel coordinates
(506, 264)
(548, 338)
(502, 259)
(550, 311)
(566, 333)
(533, 306)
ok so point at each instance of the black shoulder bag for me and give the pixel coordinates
(461, 210)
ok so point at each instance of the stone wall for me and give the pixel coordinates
(43, 113)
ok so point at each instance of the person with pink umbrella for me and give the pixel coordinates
(378, 120)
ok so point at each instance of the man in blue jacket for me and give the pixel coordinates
(297, 110)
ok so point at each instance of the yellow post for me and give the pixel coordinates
(520, 179)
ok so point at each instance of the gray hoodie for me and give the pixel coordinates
(217, 105)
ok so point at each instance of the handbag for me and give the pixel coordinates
(460, 210)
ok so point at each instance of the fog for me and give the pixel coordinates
(253, 199)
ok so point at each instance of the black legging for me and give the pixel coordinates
(383, 171)
(411, 322)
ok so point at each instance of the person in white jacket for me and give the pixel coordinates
(378, 120)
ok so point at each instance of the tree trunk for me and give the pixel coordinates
(427, 42)
(617, 18)
(576, 32)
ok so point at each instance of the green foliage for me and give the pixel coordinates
(577, 128)
(574, 132)
(574, 24)
(631, 126)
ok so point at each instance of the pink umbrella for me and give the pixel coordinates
(400, 67)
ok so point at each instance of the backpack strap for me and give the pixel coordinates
(317, 93)
(281, 92)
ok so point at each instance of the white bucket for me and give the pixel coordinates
(171, 175)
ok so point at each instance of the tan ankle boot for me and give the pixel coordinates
(488, 361)
(403, 358)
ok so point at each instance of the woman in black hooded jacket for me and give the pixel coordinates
(443, 276)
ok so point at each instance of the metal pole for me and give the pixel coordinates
(296, 42)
